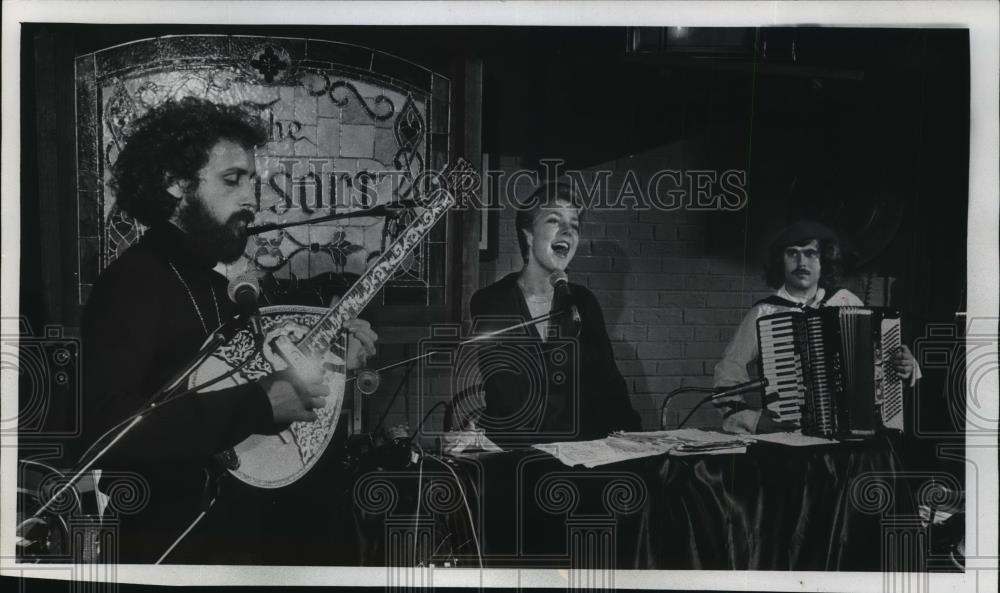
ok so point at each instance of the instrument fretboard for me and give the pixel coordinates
(318, 339)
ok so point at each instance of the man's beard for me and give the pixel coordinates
(223, 242)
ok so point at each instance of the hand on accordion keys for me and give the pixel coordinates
(741, 422)
(741, 419)
(749, 421)
(768, 421)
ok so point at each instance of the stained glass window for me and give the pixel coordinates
(349, 128)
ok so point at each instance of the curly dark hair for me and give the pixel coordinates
(831, 263)
(546, 194)
(171, 143)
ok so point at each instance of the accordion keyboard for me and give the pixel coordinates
(831, 370)
(781, 365)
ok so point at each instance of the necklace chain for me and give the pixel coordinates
(197, 309)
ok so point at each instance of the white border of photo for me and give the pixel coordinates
(981, 18)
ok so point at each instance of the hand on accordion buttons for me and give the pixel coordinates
(769, 423)
(742, 422)
(293, 398)
(904, 363)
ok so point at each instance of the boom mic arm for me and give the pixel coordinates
(383, 210)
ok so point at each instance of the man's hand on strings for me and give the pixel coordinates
(293, 397)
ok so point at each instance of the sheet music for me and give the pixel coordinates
(623, 446)
(592, 453)
(793, 439)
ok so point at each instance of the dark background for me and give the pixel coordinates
(851, 113)
(866, 128)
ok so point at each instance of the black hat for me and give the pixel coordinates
(802, 231)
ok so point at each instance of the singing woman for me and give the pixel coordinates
(556, 379)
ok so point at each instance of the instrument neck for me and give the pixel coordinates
(318, 339)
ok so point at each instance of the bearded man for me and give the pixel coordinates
(187, 173)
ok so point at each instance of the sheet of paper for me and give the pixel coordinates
(686, 435)
(623, 446)
(722, 451)
(793, 439)
(592, 453)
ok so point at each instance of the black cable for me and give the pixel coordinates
(416, 516)
(678, 391)
(705, 399)
(426, 416)
(468, 507)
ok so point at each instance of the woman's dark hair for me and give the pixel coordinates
(171, 143)
(545, 195)
(831, 263)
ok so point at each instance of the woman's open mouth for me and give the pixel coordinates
(561, 248)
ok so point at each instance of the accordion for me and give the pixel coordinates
(830, 369)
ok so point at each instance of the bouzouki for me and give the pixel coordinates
(310, 339)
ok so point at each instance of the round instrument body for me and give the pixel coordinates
(276, 460)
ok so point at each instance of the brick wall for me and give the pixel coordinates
(673, 286)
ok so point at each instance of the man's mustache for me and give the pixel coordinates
(245, 216)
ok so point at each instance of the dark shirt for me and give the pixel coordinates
(140, 326)
(563, 389)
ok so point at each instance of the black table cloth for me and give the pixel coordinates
(773, 508)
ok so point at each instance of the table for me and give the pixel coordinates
(773, 508)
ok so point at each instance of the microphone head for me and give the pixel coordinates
(244, 289)
(558, 277)
(368, 381)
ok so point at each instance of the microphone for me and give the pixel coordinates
(244, 290)
(742, 388)
(368, 381)
(561, 285)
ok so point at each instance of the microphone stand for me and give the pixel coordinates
(750, 386)
(223, 334)
(472, 340)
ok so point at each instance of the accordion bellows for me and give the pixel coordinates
(831, 371)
